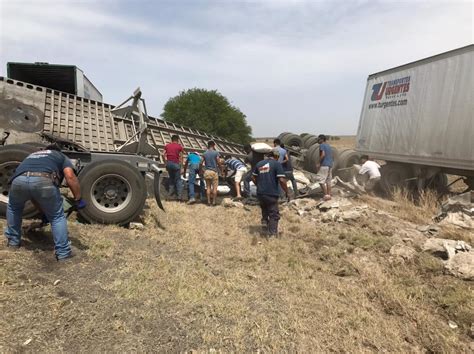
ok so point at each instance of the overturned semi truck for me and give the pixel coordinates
(419, 119)
(114, 148)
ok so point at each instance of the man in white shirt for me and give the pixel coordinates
(370, 168)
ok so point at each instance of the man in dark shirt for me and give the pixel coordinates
(38, 179)
(268, 175)
(173, 158)
(324, 166)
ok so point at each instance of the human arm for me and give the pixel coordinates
(185, 166)
(165, 160)
(73, 183)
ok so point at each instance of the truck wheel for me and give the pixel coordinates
(114, 190)
(311, 158)
(394, 175)
(292, 140)
(310, 140)
(347, 159)
(282, 135)
(10, 158)
(438, 183)
(157, 189)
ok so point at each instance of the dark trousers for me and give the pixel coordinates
(270, 212)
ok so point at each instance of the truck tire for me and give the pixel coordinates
(310, 141)
(311, 158)
(303, 135)
(347, 159)
(394, 175)
(335, 158)
(10, 157)
(292, 140)
(282, 135)
(438, 183)
(115, 192)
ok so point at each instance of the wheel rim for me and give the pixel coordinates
(111, 193)
(6, 172)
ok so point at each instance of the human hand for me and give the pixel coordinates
(80, 204)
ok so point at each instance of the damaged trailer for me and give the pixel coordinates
(419, 118)
(114, 148)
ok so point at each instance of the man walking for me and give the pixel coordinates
(239, 170)
(173, 159)
(211, 165)
(38, 179)
(282, 153)
(193, 161)
(268, 175)
(324, 166)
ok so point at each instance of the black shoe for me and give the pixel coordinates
(65, 259)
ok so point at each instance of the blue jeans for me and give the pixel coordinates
(175, 182)
(48, 197)
(247, 180)
(193, 172)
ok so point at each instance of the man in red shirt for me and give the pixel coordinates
(173, 158)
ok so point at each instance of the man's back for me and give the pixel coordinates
(210, 160)
(172, 151)
(370, 167)
(268, 172)
(48, 161)
(328, 159)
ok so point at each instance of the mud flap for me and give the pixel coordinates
(156, 189)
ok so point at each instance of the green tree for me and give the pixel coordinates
(210, 112)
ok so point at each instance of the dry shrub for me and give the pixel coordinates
(418, 209)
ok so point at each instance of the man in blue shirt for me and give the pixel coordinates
(193, 161)
(268, 175)
(211, 165)
(282, 153)
(38, 179)
(324, 166)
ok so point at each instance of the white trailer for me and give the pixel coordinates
(419, 118)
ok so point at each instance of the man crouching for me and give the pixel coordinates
(266, 175)
(38, 179)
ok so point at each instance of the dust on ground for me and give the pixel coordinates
(203, 278)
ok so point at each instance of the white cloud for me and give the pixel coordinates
(276, 60)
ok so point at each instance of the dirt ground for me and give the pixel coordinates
(199, 278)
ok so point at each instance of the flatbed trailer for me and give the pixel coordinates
(114, 148)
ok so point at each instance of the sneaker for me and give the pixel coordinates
(327, 197)
(191, 201)
(11, 246)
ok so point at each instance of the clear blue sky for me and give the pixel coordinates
(289, 65)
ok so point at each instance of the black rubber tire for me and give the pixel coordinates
(291, 140)
(311, 158)
(335, 158)
(394, 175)
(439, 183)
(122, 172)
(14, 154)
(157, 190)
(310, 141)
(303, 135)
(282, 135)
(347, 159)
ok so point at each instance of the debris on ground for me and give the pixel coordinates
(229, 203)
(457, 255)
(136, 226)
(430, 229)
(458, 211)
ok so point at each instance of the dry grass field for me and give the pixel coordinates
(198, 278)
